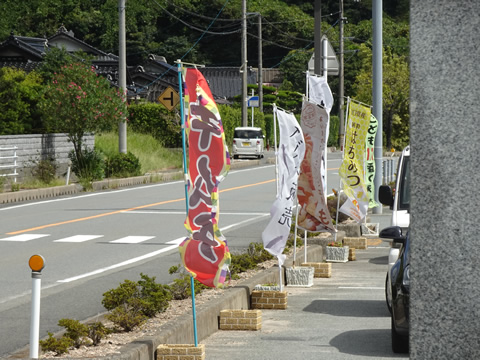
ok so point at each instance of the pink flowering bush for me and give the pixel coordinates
(77, 101)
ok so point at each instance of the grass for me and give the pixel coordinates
(153, 156)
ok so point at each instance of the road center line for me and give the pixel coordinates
(125, 210)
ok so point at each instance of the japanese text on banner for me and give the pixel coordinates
(351, 171)
(370, 161)
(289, 157)
(205, 252)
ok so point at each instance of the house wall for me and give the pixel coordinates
(32, 148)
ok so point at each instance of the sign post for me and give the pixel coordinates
(36, 263)
(252, 101)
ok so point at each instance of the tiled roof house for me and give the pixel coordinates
(147, 80)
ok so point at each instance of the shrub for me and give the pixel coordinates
(45, 170)
(181, 287)
(155, 120)
(58, 346)
(290, 241)
(122, 165)
(75, 330)
(249, 260)
(133, 302)
(127, 316)
(96, 332)
(89, 166)
(332, 207)
(155, 296)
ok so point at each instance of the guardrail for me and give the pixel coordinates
(13, 157)
(389, 169)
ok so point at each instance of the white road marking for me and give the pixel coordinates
(24, 237)
(123, 263)
(132, 239)
(78, 238)
(175, 243)
(362, 287)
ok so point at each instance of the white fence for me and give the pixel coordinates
(8, 161)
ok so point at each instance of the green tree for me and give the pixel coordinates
(78, 101)
(52, 62)
(396, 94)
(19, 92)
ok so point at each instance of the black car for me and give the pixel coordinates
(400, 276)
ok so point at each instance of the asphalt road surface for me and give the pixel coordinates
(94, 241)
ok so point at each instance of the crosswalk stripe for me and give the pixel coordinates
(24, 237)
(78, 238)
(132, 239)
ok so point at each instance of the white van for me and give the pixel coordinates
(248, 141)
(399, 202)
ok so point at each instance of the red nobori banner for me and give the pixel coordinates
(205, 252)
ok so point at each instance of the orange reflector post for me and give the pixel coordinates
(36, 263)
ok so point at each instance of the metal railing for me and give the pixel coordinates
(10, 166)
(389, 169)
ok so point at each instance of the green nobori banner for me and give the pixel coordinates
(370, 161)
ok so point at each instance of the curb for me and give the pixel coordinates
(45, 193)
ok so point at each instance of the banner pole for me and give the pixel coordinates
(305, 245)
(340, 179)
(275, 144)
(280, 276)
(295, 233)
(185, 173)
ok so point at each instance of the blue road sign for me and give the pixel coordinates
(252, 101)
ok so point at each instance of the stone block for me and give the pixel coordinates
(181, 352)
(337, 254)
(321, 270)
(301, 276)
(358, 242)
(261, 299)
(351, 254)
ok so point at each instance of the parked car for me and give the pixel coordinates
(400, 289)
(248, 141)
(399, 202)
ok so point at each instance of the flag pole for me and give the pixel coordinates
(295, 233)
(339, 192)
(275, 144)
(185, 174)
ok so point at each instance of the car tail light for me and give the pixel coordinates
(258, 142)
(234, 141)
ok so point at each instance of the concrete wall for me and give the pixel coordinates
(31, 148)
(445, 196)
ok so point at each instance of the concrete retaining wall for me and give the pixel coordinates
(31, 148)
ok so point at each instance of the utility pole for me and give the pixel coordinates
(377, 94)
(244, 63)
(341, 76)
(260, 66)
(122, 74)
(317, 38)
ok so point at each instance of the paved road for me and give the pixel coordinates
(344, 317)
(87, 257)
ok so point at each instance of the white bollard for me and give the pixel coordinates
(36, 263)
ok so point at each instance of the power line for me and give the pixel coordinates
(194, 27)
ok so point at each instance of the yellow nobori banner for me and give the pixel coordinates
(351, 170)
